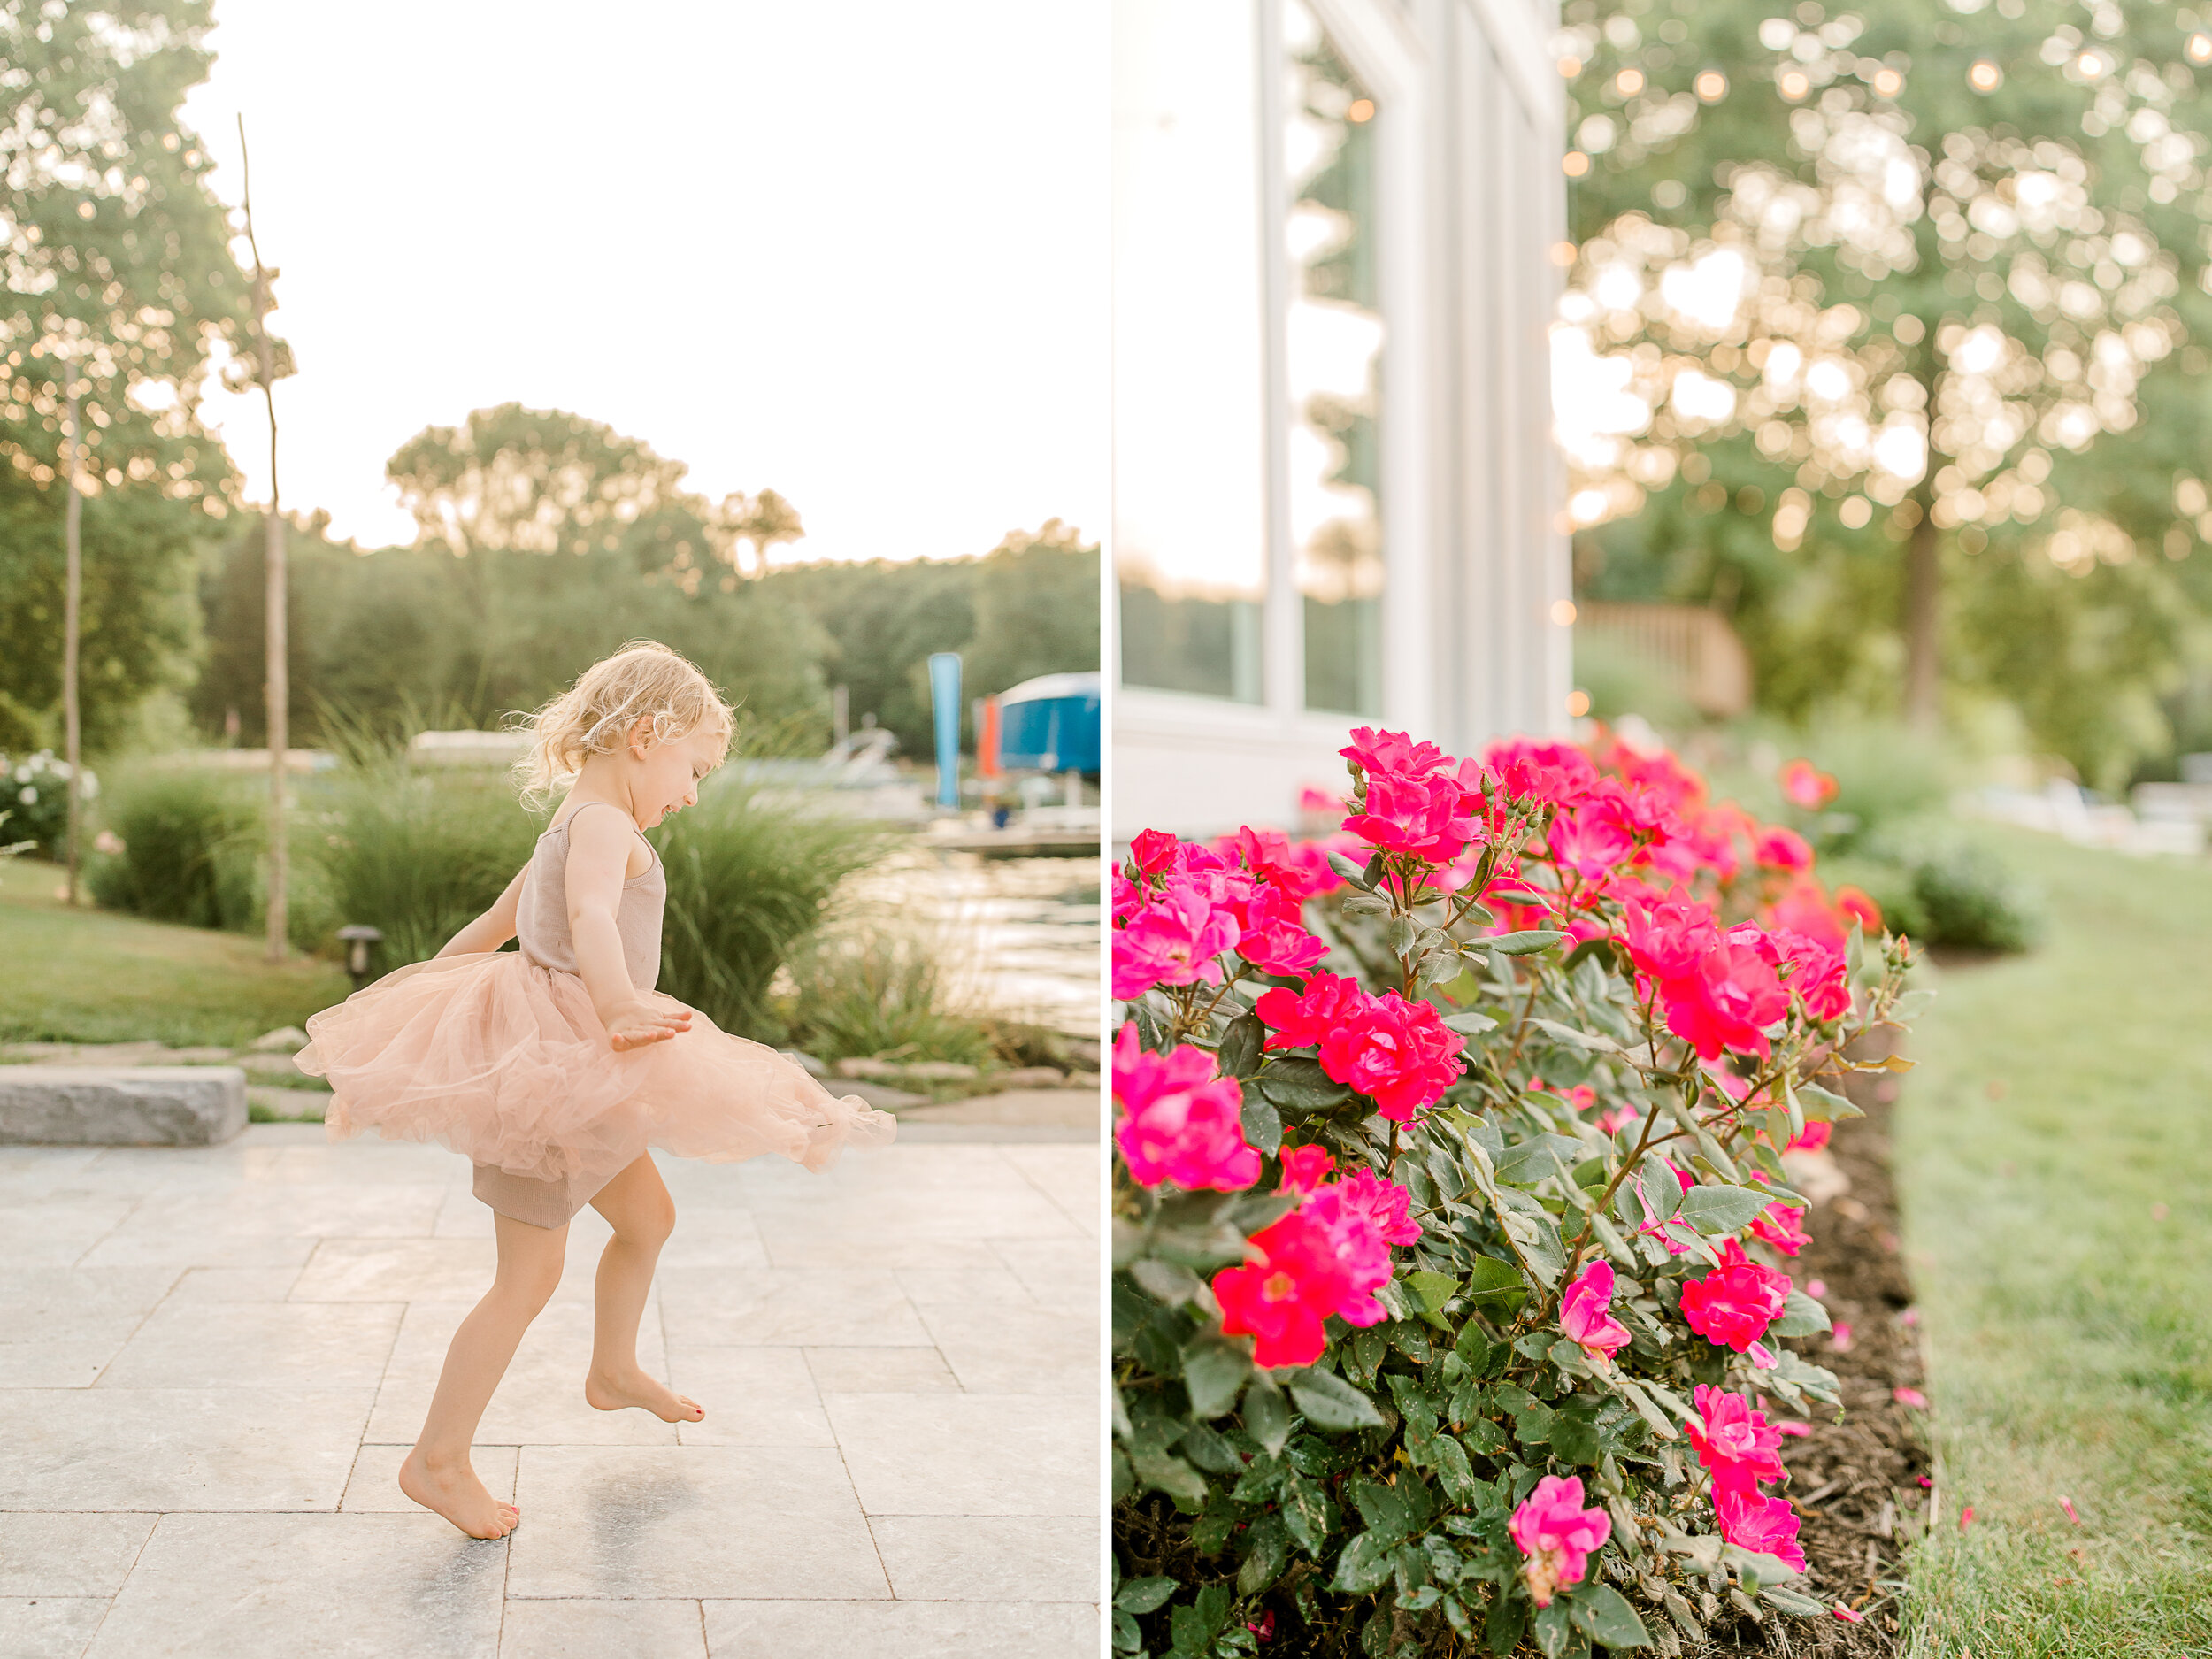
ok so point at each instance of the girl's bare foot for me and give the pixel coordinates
(458, 1495)
(636, 1388)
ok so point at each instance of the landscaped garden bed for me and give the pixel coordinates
(1459, 1304)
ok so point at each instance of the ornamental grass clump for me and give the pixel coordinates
(1452, 1213)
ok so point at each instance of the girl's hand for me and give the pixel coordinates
(634, 1024)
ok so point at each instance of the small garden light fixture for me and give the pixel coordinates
(359, 940)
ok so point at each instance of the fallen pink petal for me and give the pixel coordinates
(1849, 1615)
(2067, 1504)
(1792, 1426)
(1966, 1517)
(1816, 1288)
(1840, 1339)
(1909, 1397)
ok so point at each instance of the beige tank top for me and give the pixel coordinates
(541, 913)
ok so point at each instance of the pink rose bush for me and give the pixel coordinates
(1450, 1214)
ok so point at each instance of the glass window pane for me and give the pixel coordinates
(1333, 368)
(1190, 425)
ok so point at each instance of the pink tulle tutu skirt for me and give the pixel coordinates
(506, 1063)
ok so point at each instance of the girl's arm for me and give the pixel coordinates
(598, 855)
(495, 927)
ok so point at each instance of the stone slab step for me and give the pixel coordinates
(122, 1106)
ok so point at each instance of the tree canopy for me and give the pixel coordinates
(120, 279)
(1871, 306)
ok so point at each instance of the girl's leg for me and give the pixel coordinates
(436, 1474)
(637, 1205)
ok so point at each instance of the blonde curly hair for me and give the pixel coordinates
(643, 680)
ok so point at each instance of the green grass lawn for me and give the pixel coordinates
(94, 976)
(2062, 1098)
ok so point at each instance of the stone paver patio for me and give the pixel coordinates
(213, 1359)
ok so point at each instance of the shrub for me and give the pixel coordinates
(748, 880)
(188, 845)
(1971, 901)
(1450, 1205)
(882, 992)
(416, 854)
(34, 792)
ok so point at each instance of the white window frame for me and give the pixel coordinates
(1279, 731)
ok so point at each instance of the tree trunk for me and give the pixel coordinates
(73, 606)
(1924, 625)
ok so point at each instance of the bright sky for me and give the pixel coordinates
(855, 252)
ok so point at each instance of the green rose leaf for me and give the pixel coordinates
(1305, 1514)
(1239, 1053)
(1432, 1289)
(1266, 1414)
(1170, 1281)
(1267, 1553)
(1718, 1210)
(1144, 1595)
(1262, 1124)
(1791, 1602)
(1601, 1613)
(1299, 1084)
(1802, 1316)
(1526, 943)
(1330, 1402)
(1493, 1284)
(1574, 1438)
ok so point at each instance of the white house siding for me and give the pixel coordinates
(1467, 202)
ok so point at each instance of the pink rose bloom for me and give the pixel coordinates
(1853, 904)
(1400, 1053)
(1734, 1441)
(1362, 1251)
(1807, 787)
(1555, 773)
(1273, 936)
(1392, 755)
(1818, 975)
(1733, 1305)
(1767, 1526)
(1173, 941)
(1731, 999)
(1583, 1313)
(1384, 1206)
(1309, 1264)
(1303, 1019)
(1589, 840)
(1804, 907)
(1616, 1118)
(1778, 1224)
(1668, 939)
(1179, 1123)
(1774, 848)
(1420, 816)
(1557, 1535)
(1155, 852)
(1305, 1168)
(1299, 870)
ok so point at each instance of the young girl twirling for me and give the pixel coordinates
(554, 1066)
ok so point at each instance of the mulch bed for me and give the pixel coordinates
(1857, 1483)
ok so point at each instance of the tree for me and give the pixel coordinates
(764, 520)
(1879, 279)
(121, 275)
(531, 481)
(1036, 609)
